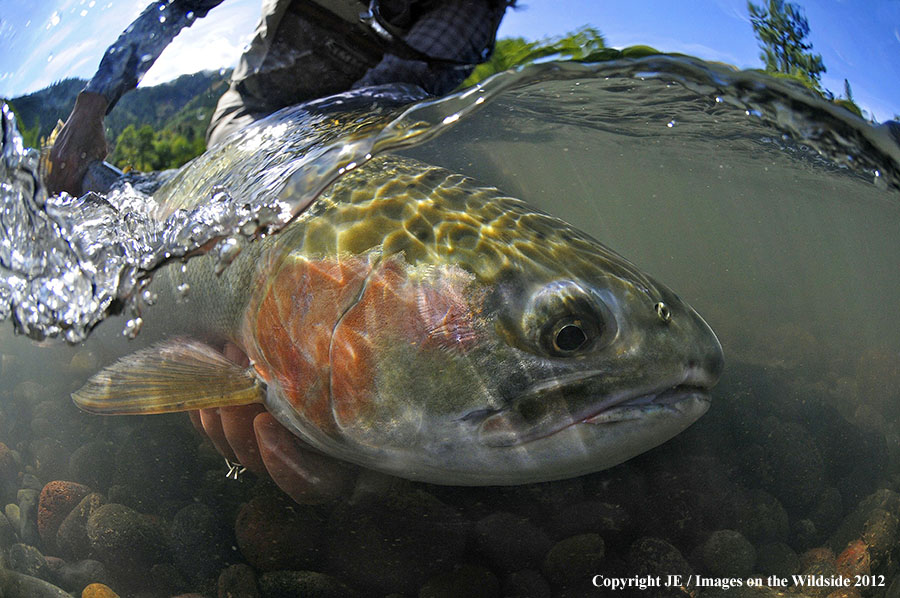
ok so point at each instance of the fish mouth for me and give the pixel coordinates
(677, 398)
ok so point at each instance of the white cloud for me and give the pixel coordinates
(190, 57)
(214, 42)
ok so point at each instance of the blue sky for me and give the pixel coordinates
(41, 42)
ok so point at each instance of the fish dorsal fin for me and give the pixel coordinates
(177, 375)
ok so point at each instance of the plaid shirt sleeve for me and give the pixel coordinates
(132, 55)
(457, 30)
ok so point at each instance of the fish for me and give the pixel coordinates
(418, 323)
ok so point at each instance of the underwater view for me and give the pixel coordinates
(592, 319)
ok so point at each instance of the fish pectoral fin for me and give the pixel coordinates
(178, 375)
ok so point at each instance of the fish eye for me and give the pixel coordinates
(570, 337)
(570, 334)
(564, 319)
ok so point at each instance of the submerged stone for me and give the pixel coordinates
(29, 561)
(122, 538)
(56, 501)
(302, 584)
(510, 543)
(237, 581)
(526, 584)
(727, 553)
(395, 544)
(273, 533)
(200, 541)
(71, 537)
(573, 561)
(777, 558)
(471, 581)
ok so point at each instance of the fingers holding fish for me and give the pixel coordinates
(306, 476)
(237, 424)
(248, 435)
(212, 426)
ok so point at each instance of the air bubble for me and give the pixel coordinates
(133, 327)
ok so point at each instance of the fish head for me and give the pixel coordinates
(496, 344)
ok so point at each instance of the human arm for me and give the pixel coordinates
(131, 56)
(80, 142)
(457, 33)
(82, 139)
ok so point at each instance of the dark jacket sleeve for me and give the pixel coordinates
(129, 59)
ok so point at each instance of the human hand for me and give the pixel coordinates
(80, 142)
(249, 435)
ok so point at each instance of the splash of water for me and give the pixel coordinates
(67, 263)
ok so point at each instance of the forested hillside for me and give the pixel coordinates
(152, 127)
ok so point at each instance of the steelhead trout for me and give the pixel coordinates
(417, 323)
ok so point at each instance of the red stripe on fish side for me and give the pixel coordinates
(294, 321)
(384, 310)
(446, 315)
(428, 314)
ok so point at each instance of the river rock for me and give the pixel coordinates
(28, 560)
(471, 581)
(590, 516)
(302, 584)
(200, 541)
(526, 584)
(777, 558)
(98, 590)
(395, 544)
(761, 518)
(11, 511)
(29, 391)
(51, 458)
(875, 522)
(125, 539)
(656, 557)
(28, 506)
(9, 469)
(274, 533)
(237, 581)
(29, 480)
(84, 361)
(14, 584)
(46, 419)
(854, 560)
(71, 537)
(573, 561)
(74, 577)
(56, 501)
(93, 464)
(510, 543)
(787, 462)
(158, 465)
(826, 513)
(8, 535)
(168, 580)
(727, 553)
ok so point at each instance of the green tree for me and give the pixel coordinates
(848, 92)
(143, 149)
(782, 30)
(134, 148)
(847, 101)
(581, 44)
(31, 136)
